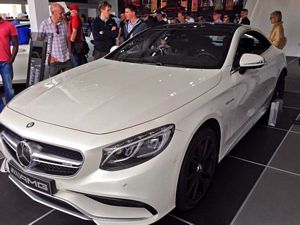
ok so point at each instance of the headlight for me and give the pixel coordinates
(136, 150)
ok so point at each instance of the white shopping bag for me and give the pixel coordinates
(275, 111)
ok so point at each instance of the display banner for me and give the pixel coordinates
(218, 4)
(77, 1)
(229, 5)
(194, 5)
(36, 62)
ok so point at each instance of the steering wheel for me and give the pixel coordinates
(204, 53)
(160, 51)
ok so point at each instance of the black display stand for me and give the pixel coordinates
(36, 62)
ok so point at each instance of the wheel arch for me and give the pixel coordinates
(284, 71)
(210, 122)
(214, 124)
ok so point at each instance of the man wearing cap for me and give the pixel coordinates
(75, 36)
(8, 33)
(24, 32)
(55, 30)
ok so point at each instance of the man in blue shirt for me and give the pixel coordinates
(24, 32)
(134, 24)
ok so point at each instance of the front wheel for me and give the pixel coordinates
(197, 169)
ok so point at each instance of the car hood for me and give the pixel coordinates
(106, 96)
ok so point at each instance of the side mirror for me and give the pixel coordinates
(250, 61)
(113, 48)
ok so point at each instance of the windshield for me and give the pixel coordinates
(187, 48)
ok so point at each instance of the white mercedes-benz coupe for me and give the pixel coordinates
(127, 138)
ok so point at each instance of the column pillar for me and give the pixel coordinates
(38, 11)
(23, 8)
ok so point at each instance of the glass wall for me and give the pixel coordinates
(10, 10)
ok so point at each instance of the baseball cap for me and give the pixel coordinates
(73, 7)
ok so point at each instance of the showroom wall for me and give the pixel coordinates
(114, 4)
(260, 10)
(89, 9)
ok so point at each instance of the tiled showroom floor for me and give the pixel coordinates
(258, 183)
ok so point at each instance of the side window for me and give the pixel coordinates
(261, 43)
(250, 42)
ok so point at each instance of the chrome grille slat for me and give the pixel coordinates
(44, 157)
(57, 160)
(55, 164)
(10, 140)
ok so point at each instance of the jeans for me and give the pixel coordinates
(78, 60)
(6, 71)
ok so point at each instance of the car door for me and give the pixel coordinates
(253, 87)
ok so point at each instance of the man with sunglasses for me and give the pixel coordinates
(55, 30)
(226, 18)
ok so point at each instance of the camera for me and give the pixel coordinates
(67, 15)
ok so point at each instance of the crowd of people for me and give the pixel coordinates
(65, 35)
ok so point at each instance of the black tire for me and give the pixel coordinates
(197, 169)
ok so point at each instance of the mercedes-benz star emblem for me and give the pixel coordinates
(24, 154)
(30, 125)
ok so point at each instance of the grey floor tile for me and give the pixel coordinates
(291, 99)
(288, 155)
(259, 144)
(296, 127)
(287, 117)
(293, 85)
(275, 201)
(290, 58)
(168, 220)
(15, 207)
(232, 182)
(60, 218)
(293, 68)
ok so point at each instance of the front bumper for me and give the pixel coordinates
(153, 183)
(70, 203)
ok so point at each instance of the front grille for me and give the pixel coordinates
(46, 158)
(55, 170)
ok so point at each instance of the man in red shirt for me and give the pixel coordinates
(75, 36)
(8, 33)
